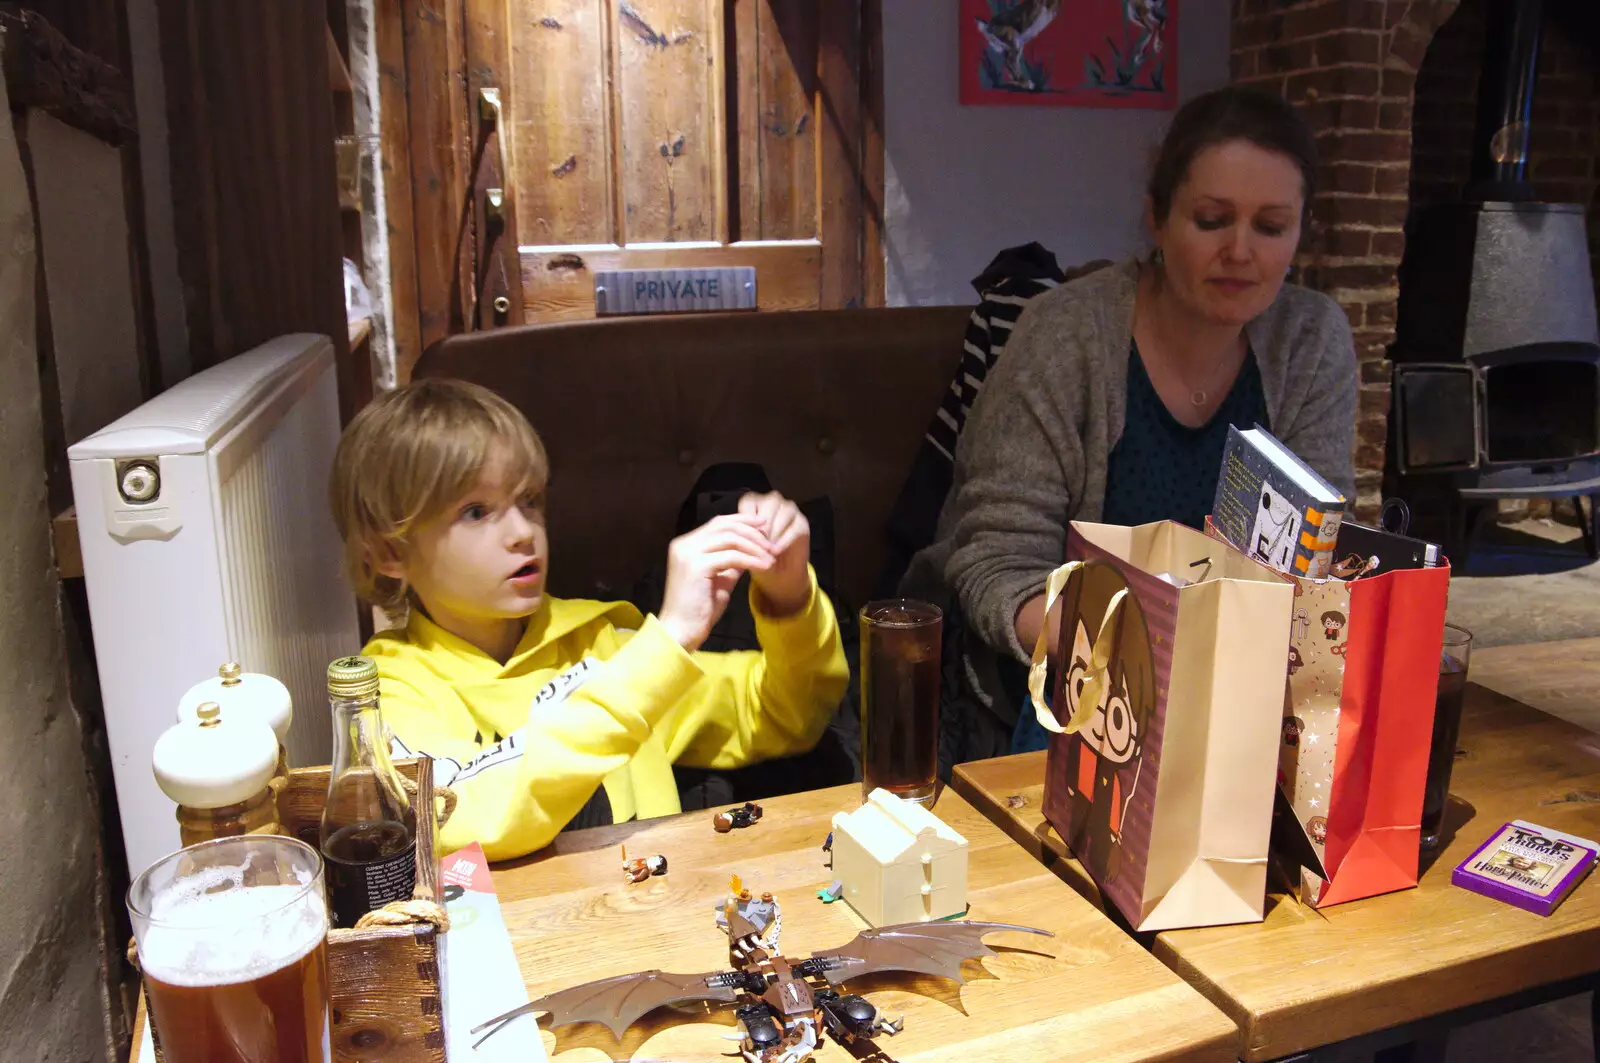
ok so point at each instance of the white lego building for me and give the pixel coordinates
(898, 862)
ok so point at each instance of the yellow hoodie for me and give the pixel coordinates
(594, 693)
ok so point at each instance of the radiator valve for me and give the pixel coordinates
(140, 482)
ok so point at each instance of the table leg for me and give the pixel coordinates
(1423, 1050)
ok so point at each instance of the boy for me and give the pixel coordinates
(540, 712)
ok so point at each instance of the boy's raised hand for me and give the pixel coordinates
(704, 565)
(785, 587)
(769, 538)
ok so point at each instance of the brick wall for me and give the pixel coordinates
(1351, 67)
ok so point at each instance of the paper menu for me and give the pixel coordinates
(147, 1047)
(481, 976)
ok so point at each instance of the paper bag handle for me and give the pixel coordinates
(1100, 657)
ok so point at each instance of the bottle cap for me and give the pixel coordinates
(236, 690)
(353, 677)
(216, 758)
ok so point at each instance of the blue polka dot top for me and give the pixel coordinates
(1162, 469)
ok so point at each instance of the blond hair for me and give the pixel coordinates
(410, 455)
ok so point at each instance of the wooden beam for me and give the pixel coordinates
(45, 71)
(192, 180)
(251, 132)
(872, 164)
(839, 116)
(496, 267)
(389, 44)
(68, 548)
(435, 86)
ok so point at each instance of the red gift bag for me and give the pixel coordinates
(1357, 726)
(1393, 641)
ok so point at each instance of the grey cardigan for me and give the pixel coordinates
(1033, 455)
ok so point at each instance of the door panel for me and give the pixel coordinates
(560, 122)
(668, 62)
(776, 76)
(679, 133)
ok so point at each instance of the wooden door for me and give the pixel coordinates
(643, 134)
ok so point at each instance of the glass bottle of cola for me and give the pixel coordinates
(369, 828)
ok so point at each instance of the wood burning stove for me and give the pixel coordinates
(1496, 389)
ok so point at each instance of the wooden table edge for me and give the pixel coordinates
(1275, 1033)
(1224, 1046)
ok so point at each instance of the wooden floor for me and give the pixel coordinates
(1561, 678)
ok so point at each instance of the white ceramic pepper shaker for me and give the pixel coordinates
(218, 768)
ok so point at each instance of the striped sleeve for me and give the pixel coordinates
(987, 334)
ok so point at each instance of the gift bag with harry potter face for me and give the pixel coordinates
(1357, 723)
(1167, 697)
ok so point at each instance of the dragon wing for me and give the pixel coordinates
(927, 948)
(621, 1001)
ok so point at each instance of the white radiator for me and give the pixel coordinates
(206, 537)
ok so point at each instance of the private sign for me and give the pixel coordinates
(674, 291)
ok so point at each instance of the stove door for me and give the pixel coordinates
(1438, 410)
(1541, 403)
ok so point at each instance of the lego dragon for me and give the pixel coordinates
(787, 1005)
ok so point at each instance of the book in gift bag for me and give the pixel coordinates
(1357, 722)
(1274, 507)
(1167, 695)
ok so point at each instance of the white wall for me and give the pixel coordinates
(964, 182)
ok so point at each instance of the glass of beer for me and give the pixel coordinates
(900, 698)
(1446, 730)
(232, 938)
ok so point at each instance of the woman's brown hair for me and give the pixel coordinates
(1262, 118)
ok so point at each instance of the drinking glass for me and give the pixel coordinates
(900, 641)
(233, 944)
(1446, 730)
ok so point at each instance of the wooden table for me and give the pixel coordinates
(1554, 677)
(1306, 978)
(1089, 993)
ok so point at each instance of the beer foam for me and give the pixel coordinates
(197, 938)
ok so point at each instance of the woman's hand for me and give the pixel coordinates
(785, 588)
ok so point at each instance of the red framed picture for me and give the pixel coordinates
(1086, 53)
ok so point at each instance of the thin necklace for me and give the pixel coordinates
(1197, 396)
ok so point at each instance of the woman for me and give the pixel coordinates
(1113, 400)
